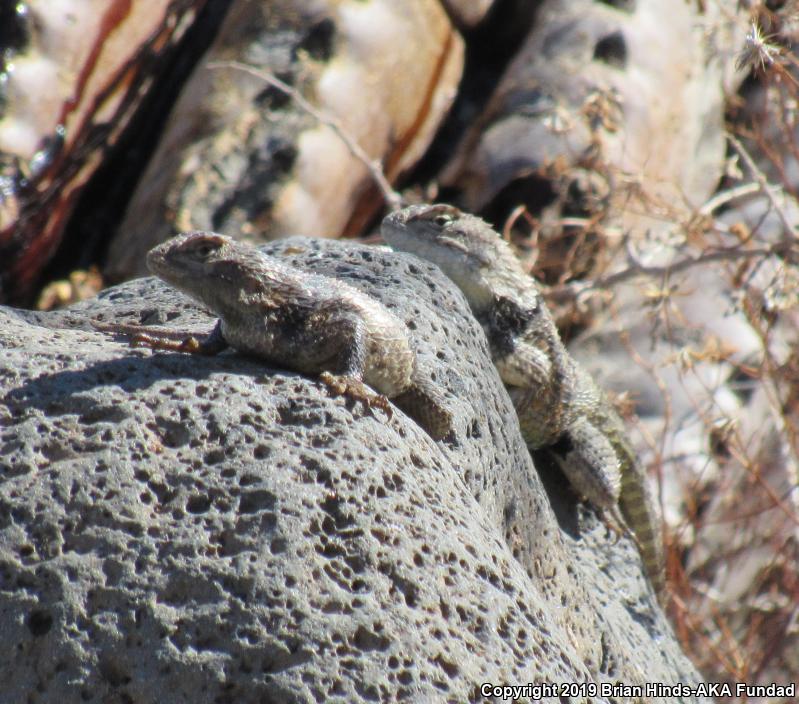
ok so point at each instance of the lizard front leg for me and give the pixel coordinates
(165, 339)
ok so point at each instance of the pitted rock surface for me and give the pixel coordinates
(213, 529)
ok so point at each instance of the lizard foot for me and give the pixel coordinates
(616, 524)
(355, 389)
(613, 527)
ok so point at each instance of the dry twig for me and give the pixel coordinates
(391, 197)
(768, 190)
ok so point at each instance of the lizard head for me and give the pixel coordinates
(463, 246)
(212, 268)
(191, 250)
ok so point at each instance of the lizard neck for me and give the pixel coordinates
(490, 285)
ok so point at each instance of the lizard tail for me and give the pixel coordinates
(424, 403)
(638, 508)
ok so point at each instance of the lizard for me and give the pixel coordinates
(304, 322)
(559, 405)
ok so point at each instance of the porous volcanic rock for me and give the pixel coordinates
(217, 530)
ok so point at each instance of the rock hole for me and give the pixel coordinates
(612, 50)
(198, 504)
(40, 622)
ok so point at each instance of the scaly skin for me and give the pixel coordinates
(304, 322)
(558, 404)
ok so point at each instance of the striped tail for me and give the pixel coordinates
(640, 511)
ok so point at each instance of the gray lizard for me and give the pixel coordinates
(308, 323)
(558, 404)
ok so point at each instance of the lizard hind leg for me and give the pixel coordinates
(350, 364)
(355, 389)
(591, 465)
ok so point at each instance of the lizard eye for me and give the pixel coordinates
(442, 220)
(204, 247)
(204, 250)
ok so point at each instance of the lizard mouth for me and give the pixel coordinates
(156, 260)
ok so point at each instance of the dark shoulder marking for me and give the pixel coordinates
(508, 321)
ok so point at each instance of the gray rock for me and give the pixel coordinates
(186, 529)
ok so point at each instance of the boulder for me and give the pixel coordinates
(219, 530)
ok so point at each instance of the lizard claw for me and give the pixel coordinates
(355, 389)
(613, 529)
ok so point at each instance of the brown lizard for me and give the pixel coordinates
(558, 404)
(304, 322)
